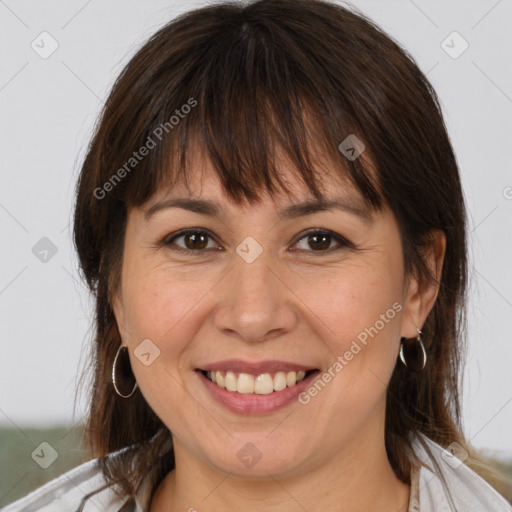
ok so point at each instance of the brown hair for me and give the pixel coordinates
(270, 75)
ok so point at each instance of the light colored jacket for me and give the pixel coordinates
(462, 490)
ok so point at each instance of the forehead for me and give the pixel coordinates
(204, 193)
(203, 182)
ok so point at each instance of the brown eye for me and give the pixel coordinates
(320, 241)
(196, 240)
(193, 240)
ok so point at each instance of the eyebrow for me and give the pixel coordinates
(211, 208)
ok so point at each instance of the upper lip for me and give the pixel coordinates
(254, 368)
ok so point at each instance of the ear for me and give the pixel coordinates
(119, 312)
(421, 294)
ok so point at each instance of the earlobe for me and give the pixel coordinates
(422, 292)
(118, 310)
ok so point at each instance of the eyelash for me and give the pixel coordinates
(169, 241)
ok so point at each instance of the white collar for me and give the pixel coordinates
(445, 484)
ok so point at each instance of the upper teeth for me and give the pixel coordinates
(263, 384)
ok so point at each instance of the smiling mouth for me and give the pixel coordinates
(262, 384)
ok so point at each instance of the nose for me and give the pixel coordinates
(256, 302)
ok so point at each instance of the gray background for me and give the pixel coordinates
(48, 107)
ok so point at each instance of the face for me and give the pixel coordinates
(260, 295)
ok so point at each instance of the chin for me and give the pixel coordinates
(257, 456)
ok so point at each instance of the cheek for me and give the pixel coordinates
(161, 309)
(165, 307)
(360, 311)
(350, 301)
(160, 303)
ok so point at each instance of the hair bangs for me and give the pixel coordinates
(255, 109)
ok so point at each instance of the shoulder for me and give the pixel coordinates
(67, 492)
(447, 484)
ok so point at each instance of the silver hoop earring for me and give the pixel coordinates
(122, 367)
(413, 354)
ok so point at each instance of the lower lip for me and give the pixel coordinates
(256, 404)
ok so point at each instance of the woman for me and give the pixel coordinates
(271, 220)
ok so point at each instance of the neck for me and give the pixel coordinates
(357, 480)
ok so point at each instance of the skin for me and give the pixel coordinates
(304, 306)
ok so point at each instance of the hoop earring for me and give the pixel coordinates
(413, 354)
(122, 366)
